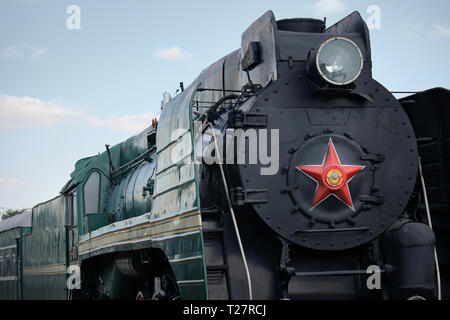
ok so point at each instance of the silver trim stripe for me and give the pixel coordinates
(8, 247)
(185, 259)
(135, 222)
(190, 281)
(180, 235)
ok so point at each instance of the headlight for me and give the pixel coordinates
(339, 61)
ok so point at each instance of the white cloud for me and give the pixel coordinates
(10, 183)
(414, 30)
(26, 51)
(131, 123)
(324, 8)
(26, 112)
(441, 31)
(172, 53)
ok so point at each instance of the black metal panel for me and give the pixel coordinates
(409, 249)
(364, 132)
(429, 112)
(263, 31)
(353, 23)
(301, 25)
(297, 46)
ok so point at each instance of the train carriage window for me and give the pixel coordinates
(91, 193)
(13, 262)
(8, 266)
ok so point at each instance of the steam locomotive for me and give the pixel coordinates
(284, 171)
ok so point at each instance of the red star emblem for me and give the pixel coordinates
(332, 177)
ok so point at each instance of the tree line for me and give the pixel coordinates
(11, 213)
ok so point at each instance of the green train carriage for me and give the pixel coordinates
(11, 231)
(119, 211)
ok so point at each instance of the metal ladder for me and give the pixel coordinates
(217, 270)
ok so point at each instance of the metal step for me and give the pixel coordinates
(222, 267)
(212, 230)
(215, 254)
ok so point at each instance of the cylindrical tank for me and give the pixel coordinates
(408, 247)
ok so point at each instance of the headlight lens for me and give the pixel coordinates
(339, 61)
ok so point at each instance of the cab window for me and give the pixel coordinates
(91, 193)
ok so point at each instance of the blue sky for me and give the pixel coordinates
(65, 93)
